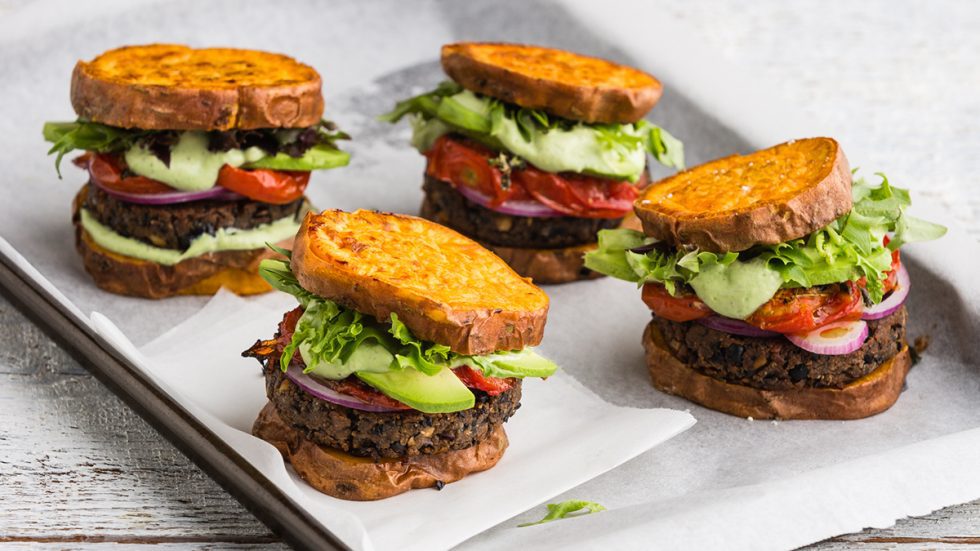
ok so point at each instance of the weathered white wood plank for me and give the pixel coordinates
(76, 462)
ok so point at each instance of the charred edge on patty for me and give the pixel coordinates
(775, 363)
(388, 435)
(482, 224)
(175, 226)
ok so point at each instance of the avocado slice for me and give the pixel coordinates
(439, 393)
(524, 364)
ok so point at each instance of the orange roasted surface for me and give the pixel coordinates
(554, 65)
(743, 182)
(202, 69)
(420, 258)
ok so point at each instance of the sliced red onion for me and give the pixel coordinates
(318, 390)
(893, 301)
(735, 327)
(529, 209)
(216, 193)
(840, 337)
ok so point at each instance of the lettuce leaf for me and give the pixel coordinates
(558, 511)
(330, 333)
(317, 144)
(427, 357)
(847, 249)
(425, 104)
(66, 137)
(488, 120)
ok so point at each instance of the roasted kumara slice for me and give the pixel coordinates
(768, 197)
(445, 287)
(172, 87)
(562, 83)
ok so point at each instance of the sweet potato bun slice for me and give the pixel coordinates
(445, 287)
(867, 396)
(345, 476)
(569, 85)
(768, 197)
(173, 87)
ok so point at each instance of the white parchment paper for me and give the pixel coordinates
(560, 438)
(807, 480)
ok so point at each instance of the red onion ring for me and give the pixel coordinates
(318, 390)
(844, 337)
(529, 209)
(893, 301)
(735, 327)
(216, 193)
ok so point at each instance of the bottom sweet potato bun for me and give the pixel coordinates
(344, 476)
(203, 275)
(866, 396)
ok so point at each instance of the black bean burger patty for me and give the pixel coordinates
(446, 206)
(775, 363)
(175, 226)
(388, 435)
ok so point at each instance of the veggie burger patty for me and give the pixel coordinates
(390, 434)
(175, 226)
(450, 208)
(775, 363)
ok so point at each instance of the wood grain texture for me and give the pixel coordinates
(76, 465)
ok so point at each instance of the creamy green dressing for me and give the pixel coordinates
(578, 149)
(225, 239)
(192, 167)
(736, 290)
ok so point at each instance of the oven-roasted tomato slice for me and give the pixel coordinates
(352, 386)
(464, 163)
(277, 187)
(891, 279)
(473, 378)
(683, 307)
(575, 195)
(802, 310)
(789, 311)
(107, 171)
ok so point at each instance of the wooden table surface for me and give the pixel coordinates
(78, 469)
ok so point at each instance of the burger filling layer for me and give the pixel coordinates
(389, 434)
(818, 292)
(774, 363)
(271, 165)
(355, 361)
(448, 207)
(526, 162)
(223, 239)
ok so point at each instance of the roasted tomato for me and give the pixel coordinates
(683, 307)
(789, 311)
(277, 187)
(891, 279)
(464, 163)
(107, 171)
(269, 186)
(352, 386)
(802, 310)
(576, 195)
(473, 378)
